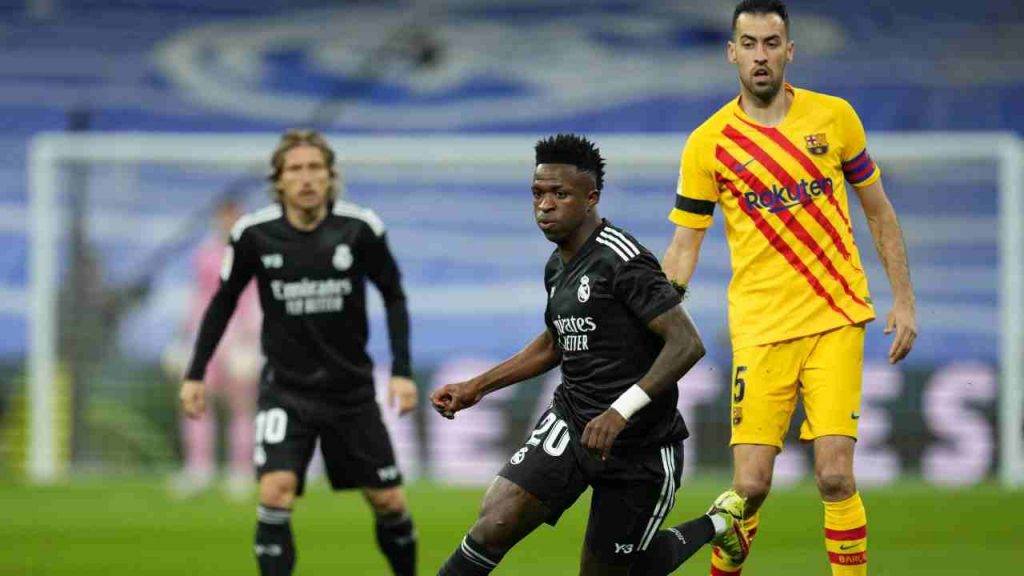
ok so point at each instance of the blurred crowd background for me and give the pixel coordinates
(471, 257)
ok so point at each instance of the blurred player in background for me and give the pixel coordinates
(775, 159)
(232, 373)
(311, 254)
(615, 326)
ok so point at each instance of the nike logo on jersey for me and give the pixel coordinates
(848, 546)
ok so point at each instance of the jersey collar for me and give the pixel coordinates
(790, 114)
(586, 247)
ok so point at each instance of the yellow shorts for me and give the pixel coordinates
(825, 369)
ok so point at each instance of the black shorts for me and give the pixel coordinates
(632, 494)
(354, 441)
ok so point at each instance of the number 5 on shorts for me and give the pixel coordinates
(739, 386)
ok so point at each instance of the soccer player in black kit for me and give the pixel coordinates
(311, 254)
(616, 327)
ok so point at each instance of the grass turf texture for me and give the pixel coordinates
(117, 526)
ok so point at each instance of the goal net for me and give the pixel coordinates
(116, 220)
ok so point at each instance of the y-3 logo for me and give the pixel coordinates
(623, 548)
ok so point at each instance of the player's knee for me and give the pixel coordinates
(495, 528)
(835, 486)
(754, 488)
(388, 502)
(278, 489)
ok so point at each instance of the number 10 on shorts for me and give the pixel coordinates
(271, 426)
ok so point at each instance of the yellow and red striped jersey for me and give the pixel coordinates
(796, 269)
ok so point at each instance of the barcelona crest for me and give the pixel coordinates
(737, 415)
(817, 144)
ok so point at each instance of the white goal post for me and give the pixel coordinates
(49, 151)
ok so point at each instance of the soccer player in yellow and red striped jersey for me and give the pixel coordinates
(777, 160)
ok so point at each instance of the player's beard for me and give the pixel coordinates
(765, 92)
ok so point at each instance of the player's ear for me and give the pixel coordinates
(593, 197)
(790, 49)
(730, 51)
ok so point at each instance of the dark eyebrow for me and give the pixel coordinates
(755, 39)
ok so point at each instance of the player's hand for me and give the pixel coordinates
(601, 432)
(403, 391)
(193, 398)
(901, 321)
(451, 398)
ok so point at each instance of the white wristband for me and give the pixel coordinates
(630, 401)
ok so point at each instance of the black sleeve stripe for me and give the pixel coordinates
(702, 207)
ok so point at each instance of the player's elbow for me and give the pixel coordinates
(689, 347)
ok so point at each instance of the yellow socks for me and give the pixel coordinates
(846, 537)
(720, 564)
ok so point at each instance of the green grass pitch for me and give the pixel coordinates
(117, 526)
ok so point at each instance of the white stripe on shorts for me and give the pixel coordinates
(667, 498)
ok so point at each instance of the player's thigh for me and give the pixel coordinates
(632, 496)
(831, 384)
(547, 466)
(753, 467)
(284, 439)
(764, 391)
(357, 451)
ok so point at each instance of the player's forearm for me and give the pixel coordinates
(536, 358)
(681, 257)
(398, 334)
(215, 322)
(888, 238)
(682, 350)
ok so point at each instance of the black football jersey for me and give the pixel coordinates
(312, 288)
(599, 305)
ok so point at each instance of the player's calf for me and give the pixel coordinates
(396, 535)
(508, 514)
(274, 545)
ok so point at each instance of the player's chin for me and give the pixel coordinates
(765, 90)
(552, 233)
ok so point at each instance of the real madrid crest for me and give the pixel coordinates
(519, 455)
(342, 257)
(583, 293)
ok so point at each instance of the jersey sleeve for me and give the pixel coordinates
(642, 286)
(236, 270)
(697, 191)
(383, 271)
(858, 167)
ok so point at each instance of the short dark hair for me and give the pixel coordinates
(574, 150)
(761, 7)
